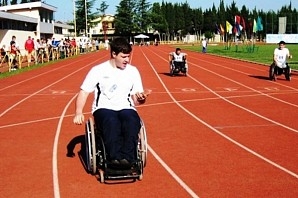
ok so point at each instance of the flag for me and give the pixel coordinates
(229, 27)
(217, 30)
(259, 24)
(243, 23)
(222, 30)
(237, 19)
(254, 29)
(237, 28)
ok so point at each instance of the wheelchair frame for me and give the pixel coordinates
(96, 156)
(173, 67)
(275, 71)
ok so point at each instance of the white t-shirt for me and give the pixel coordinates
(204, 43)
(178, 58)
(113, 87)
(281, 56)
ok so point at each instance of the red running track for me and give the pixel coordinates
(223, 131)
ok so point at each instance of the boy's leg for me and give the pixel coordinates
(130, 122)
(108, 123)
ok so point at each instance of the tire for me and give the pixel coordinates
(143, 149)
(288, 74)
(271, 72)
(90, 147)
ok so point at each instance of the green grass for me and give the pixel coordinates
(263, 53)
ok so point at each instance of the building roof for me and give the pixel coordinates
(17, 17)
(31, 5)
(63, 25)
(107, 17)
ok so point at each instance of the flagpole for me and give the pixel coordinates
(86, 20)
(74, 18)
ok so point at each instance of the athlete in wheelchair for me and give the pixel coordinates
(116, 140)
(178, 63)
(280, 65)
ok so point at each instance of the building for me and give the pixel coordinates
(35, 19)
(102, 26)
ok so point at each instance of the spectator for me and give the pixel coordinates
(204, 45)
(29, 47)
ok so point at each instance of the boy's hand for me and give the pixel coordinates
(78, 119)
(141, 97)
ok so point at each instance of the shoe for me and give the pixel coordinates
(125, 163)
(115, 162)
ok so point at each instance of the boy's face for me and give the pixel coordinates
(121, 60)
(281, 46)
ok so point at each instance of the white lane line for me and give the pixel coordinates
(55, 151)
(243, 126)
(173, 174)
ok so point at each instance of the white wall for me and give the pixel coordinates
(28, 13)
(275, 38)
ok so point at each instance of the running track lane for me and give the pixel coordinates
(207, 163)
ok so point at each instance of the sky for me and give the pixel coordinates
(65, 7)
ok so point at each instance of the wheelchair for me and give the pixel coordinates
(275, 71)
(178, 67)
(97, 163)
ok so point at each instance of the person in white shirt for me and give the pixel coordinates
(117, 88)
(204, 45)
(280, 65)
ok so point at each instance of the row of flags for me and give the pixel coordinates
(239, 26)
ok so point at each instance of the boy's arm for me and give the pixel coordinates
(80, 103)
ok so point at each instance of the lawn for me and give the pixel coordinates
(261, 53)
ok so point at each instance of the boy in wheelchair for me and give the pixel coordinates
(117, 88)
(280, 65)
(178, 62)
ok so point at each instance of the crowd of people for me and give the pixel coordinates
(36, 51)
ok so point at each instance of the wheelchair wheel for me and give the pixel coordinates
(142, 145)
(288, 74)
(90, 146)
(101, 159)
(272, 75)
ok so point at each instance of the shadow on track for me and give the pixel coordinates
(81, 153)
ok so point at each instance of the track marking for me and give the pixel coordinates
(231, 89)
(55, 151)
(243, 126)
(217, 131)
(173, 174)
(142, 106)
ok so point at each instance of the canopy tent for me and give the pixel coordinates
(142, 36)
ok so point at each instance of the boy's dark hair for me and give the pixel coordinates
(282, 43)
(120, 45)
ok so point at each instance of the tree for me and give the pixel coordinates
(157, 20)
(82, 22)
(13, 2)
(103, 7)
(125, 18)
(4, 3)
(24, 1)
(142, 16)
